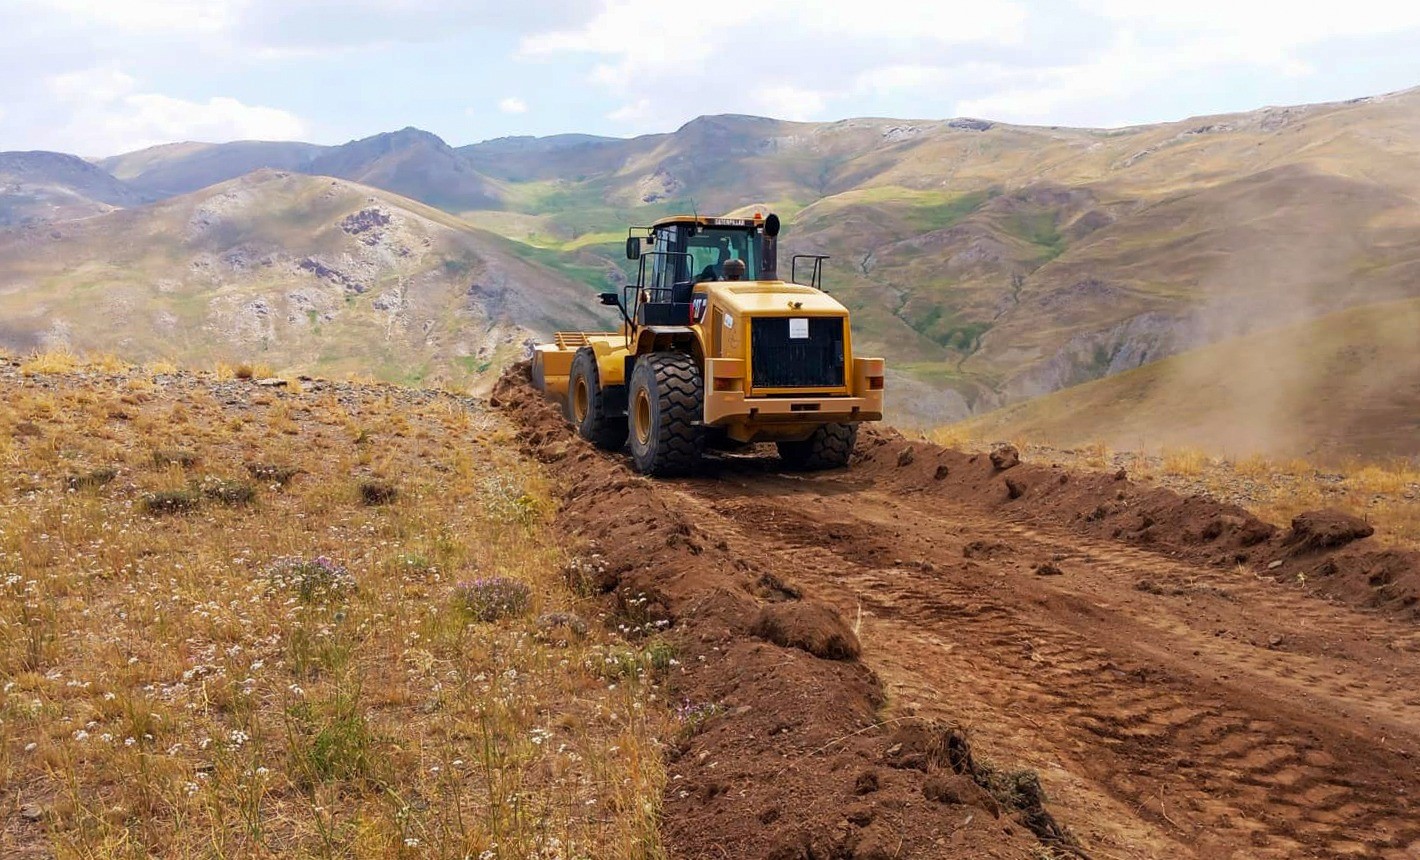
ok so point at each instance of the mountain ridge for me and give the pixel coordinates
(991, 262)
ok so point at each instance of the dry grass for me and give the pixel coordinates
(293, 672)
(160, 368)
(1186, 462)
(52, 361)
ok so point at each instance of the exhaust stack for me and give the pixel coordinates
(769, 262)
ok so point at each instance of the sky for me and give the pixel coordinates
(100, 78)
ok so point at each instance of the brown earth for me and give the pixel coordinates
(1193, 683)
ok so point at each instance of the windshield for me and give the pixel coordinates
(709, 249)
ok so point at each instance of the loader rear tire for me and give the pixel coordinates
(830, 447)
(665, 405)
(586, 405)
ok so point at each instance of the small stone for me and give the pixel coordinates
(1121, 475)
(1005, 457)
(941, 473)
(1275, 640)
(31, 812)
(867, 782)
(1048, 568)
(1015, 489)
(272, 382)
(1274, 565)
(905, 457)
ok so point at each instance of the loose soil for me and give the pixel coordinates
(1187, 680)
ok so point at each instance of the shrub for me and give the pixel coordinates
(269, 473)
(89, 480)
(375, 493)
(165, 457)
(492, 598)
(311, 579)
(229, 492)
(169, 502)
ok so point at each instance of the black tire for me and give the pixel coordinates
(586, 405)
(830, 447)
(665, 405)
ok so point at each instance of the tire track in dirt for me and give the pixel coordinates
(1187, 741)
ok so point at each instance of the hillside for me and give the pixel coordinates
(409, 162)
(302, 273)
(989, 262)
(43, 186)
(300, 621)
(1347, 383)
(1001, 262)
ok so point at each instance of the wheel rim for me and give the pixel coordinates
(580, 397)
(642, 414)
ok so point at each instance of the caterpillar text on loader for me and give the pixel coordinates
(715, 347)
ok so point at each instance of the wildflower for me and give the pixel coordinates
(81, 735)
(493, 598)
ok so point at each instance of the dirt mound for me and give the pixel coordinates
(1327, 548)
(783, 754)
(1326, 529)
(814, 627)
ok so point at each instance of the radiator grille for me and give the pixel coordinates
(779, 361)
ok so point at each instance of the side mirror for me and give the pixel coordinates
(633, 248)
(612, 299)
(771, 225)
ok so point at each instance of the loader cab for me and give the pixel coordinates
(678, 254)
(698, 253)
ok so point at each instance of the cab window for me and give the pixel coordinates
(710, 248)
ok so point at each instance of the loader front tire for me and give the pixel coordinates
(586, 405)
(665, 404)
(830, 447)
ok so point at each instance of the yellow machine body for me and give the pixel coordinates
(719, 330)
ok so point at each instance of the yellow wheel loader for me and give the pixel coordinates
(715, 348)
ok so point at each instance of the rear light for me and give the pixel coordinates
(725, 384)
(875, 383)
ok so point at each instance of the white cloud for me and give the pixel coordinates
(106, 114)
(785, 101)
(513, 104)
(632, 112)
(1154, 45)
(146, 16)
(797, 56)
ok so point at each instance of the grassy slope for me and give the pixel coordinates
(1019, 260)
(196, 683)
(217, 275)
(1342, 384)
(1000, 264)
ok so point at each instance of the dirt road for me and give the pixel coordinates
(1171, 709)
(1163, 663)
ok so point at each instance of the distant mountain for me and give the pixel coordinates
(991, 263)
(414, 163)
(36, 186)
(409, 162)
(180, 168)
(303, 273)
(994, 263)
